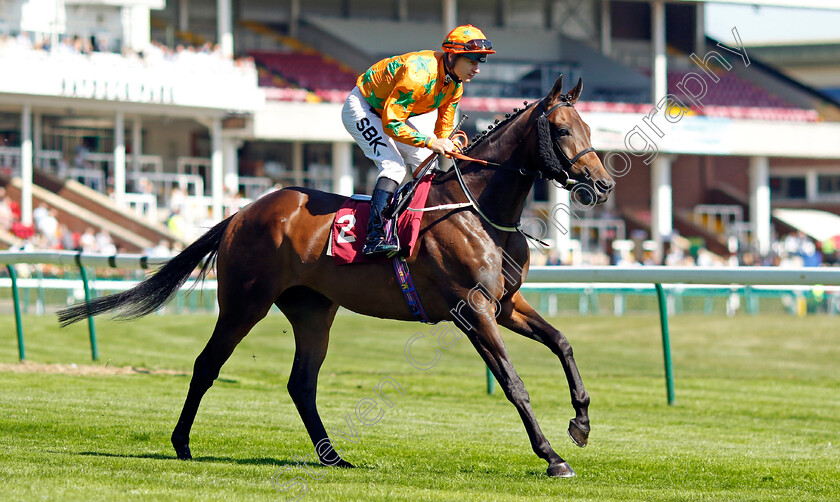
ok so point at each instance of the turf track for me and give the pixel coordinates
(757, 414)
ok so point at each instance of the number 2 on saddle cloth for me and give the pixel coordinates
(350, 225)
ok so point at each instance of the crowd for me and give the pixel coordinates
(47, 233)
(206, 56)
(792, 250)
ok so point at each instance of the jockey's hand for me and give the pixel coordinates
(442, 145)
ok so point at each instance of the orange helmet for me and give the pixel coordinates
(469, 41)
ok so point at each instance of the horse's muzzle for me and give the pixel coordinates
(592, 193)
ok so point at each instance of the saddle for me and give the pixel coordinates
(350, 224)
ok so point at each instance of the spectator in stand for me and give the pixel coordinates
(67, 239)
(7, 215)
(177, 199)
(39, 213)
(104, 243)
(47, 226)
(829, 251)
(553, 258)
(161, 250)
(80, 157)
(176, 224)
(811, 257)
(793, 243)
(87, 241)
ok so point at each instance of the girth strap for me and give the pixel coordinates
(408, 290)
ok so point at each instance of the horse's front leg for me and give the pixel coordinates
(518, 316)
(484, 334)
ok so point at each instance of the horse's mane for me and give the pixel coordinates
(493, 128)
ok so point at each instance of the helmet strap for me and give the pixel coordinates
(448, 63)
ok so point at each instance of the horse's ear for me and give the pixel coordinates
(557, 90)
(574, 94)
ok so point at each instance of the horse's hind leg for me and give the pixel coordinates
(311, 315)
(234, 322)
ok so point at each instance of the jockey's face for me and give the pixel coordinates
(465, 68)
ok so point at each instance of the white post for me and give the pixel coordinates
(218, 169)
(26, 165)
(37, 137)
(119, 158)
(760, 203)
(661, 221)
(231, 178)
(606, 28)
(560, 220)
(297, 162)
(660, 58)
(136, 25)
(136, 143)
(342, 154)
(224, 17)
(450, 16)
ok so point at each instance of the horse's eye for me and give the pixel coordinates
(564, 132)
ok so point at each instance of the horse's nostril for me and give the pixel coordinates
(605, 186)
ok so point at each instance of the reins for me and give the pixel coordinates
(547, 153)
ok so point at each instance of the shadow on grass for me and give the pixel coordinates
(226, 460)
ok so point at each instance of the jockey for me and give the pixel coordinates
(378, 112)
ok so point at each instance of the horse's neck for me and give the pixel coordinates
(502, 193)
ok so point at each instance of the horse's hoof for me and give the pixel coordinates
(563, 470)
(183, 452)
(578, 433)
(337, 463)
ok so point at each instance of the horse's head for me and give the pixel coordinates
(565, 148)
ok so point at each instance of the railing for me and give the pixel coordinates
(656, 275)
(10, 159)
(254, 186)
(147, 163)
(718, 219)
(164, 183)
(68, 258)
(198, 166)
(144, 205)
(659, 275)
(91, 178)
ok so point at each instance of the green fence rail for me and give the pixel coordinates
(551, 280)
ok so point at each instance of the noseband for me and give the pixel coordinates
(545, 143)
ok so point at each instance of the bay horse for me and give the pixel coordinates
(273, 251)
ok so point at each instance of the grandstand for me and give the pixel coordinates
(189, 109)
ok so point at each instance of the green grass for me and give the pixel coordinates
(757, 414)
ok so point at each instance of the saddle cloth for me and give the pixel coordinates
(350, 227)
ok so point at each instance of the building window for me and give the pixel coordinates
(788, 187)
(828, 185)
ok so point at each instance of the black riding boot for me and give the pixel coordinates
(376, 242)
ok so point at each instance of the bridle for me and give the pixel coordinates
(545, 143)
(546, 150)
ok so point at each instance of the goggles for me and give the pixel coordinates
(476, 44)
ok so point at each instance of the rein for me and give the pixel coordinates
(547, 154)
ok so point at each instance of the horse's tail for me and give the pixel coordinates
(156, 289)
